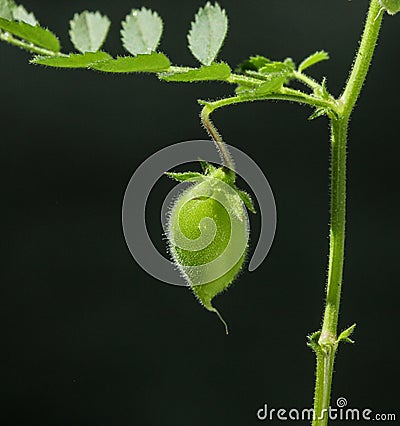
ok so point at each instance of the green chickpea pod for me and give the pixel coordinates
(208, 231)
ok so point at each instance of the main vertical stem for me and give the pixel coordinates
(337, 231)
(326, 346)
(327, 343)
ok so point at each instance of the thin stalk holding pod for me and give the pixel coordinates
(226, 157)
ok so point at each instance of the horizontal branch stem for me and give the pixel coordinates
(285, 94)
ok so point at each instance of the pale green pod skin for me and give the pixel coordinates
(391, 6)
(220, 229)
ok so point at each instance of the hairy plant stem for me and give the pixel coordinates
(284, 94)
(226, 157)
(326, 342)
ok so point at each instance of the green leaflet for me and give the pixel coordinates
(6, 9)
(274, 74)
(185, 176)
(207, 33)
(344, 336)
(277, 67)
(270, 86)
(323, 91)
(155, 62)
(319, 112)
(10, 11)
(216, 71)
(79, 60)
(391, 6)
(312, 341)
(141, 31)
(21, 14)
(33, 34)
(264, 65)
(313, 59)
(254, 63)
(207, 168)
(88, 31)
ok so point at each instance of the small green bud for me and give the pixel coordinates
(391, 6)
(208, 233)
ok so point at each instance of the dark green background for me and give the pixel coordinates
(87, 337)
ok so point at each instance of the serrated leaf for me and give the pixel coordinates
(254, 63)
(313, 59)
(36, 35)
(272, 71)
(325, 93)
(88, 30)
(141, 31)
(21, 14)
(155, 62)
(290, 64)
(185, 176)
(6, 9)
(207, 33)
(215, 71)
(78, 60)
(313, 341)
(278, 67)
(248, 202)
(322, 91)
(270, 86)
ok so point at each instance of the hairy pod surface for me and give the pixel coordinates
(208, 233)
(391, 6)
